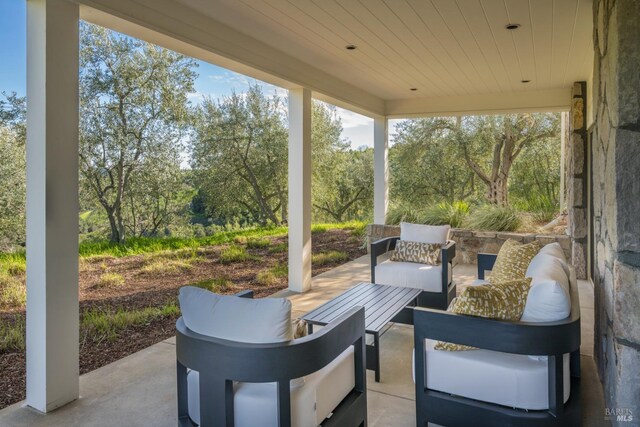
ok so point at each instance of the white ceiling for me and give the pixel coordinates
(441, 47)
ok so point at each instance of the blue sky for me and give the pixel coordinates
(212, 81)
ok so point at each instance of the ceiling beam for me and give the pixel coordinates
(177, 27)
(492, 103)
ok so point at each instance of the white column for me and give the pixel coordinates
(52, 203)
(380, 170)
(299, 190)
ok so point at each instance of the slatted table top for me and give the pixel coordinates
(381, 303)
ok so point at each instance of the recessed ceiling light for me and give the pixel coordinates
(512, 26)
(351, 47)
(525, 81)
(414, 89)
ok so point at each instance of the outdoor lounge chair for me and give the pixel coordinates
(237, 365)
(435, 281)
(524, 373)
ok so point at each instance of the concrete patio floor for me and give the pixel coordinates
(139, 390)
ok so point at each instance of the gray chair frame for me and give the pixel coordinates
(221, 362)
(447, 291)
(551, 339)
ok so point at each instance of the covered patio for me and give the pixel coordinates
(139, 390)
(385, 60)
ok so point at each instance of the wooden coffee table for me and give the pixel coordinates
(381, 304)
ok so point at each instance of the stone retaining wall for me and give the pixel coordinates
(469, 242)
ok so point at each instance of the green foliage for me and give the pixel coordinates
(330, 257)
(110, 280)
(235, 253)
(239, 156)
(453, 214)
(404, 212)
(104, 324)
(13, 335)
(133, 112)
(342, 179)
(542, 208)
(12, 171)
(494, 218)
(217, 285)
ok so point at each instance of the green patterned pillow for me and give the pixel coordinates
(423, 253)
(512, 261)
(503, 301)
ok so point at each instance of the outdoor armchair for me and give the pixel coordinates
(435, 281)
(272, 381)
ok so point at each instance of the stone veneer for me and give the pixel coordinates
(576, 178)
(469, 242)
(616, 201)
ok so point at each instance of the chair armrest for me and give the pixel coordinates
(245, 294)
(448, 251)
(485, 263)
(378, 248)
(541, 339)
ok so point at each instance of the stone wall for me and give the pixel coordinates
(469, 242)
(615, 151)
(576, 178)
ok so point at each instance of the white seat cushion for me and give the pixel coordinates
(512, 380)
(410, 275)
(255, 404)
(424, 233)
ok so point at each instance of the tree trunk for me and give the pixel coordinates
(115, 230)
(497, 192)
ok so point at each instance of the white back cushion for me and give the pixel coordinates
(549, 297)
(236, 319)
(424, 233)
(554, 249)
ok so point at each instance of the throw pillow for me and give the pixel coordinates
(423, 253)
(512, 261)
(502, 301)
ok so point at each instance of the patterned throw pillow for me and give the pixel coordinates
(503, 301)
(300, 328)
(512, 261)
(423, 253)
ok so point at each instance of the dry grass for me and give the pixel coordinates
(330, 257)
(266, 278)
(13, 292)
(217, 285)
(110, 280)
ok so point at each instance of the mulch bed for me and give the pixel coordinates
(143, 290)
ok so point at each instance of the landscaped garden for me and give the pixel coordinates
(128, 291)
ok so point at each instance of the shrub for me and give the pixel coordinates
(403, 213)
(12, 335)
(218, 285)
(110, 280)
(494, 218)
(13, 292)
(444, 213)
(330, 257)
(235, 253)
(266, 278)
(542, 208)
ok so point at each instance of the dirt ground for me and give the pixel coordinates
(151, 289)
